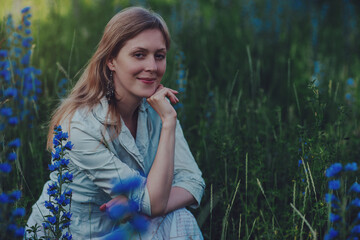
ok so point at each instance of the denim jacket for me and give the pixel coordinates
(97, 158)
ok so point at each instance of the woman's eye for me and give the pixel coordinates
(139, 55)
(160, 56)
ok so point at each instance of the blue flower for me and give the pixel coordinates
(52, 219)
(66, 216)
(139, 223)
(330, 198)
(350, 82)
(13, 121)
(52, 189)
(46, 225)
(334, 184)
(4, 198)
(355, 202)
(63, 200)
(356, 229)
(10, 92)
(334, 170)
(5, 167)
(334, 217)
(3, 53)
(19, 232)
(67, 176)
(54, 167)
(355, 187)
(18, 212)
(117, 211)
(64, 162)
(6, 112)
(331, 234)
(25, 10)
(348, 96)
(68, 193)
(14, 196)
(127, 185)
(68, 145)
(14, 143)
(351, 166)
(67, 236)
(54, 210)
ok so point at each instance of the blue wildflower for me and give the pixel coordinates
(46, 225)
(13, 121)
(54, 167)
(356, 229)
(68, 193)
(334, 217)
(10, 92)
(14, 143)
(26, 59)
(117, 211)
(350, 82)
(348, 96)
(54, 210)
(351, 166)
(139, 223)
(334, 184)
(334, 170)
(332, 234)
(66, 216)
(19, 232)
(56, 155)
(27, 31)
(25, 10)
(27, 22)
(127, 185)
(52, 189)
(62, 200)
(67, 236)
(18, 212)
(4, 198)
(64, 162)
(355, 187)
(299, 163)
(3, 53)
(14, 196)
(330, 198)
(12, 227)
(355, 202)
(5, 167)
(68, 145)
(6, 112)
(67, 176)
(52, 219)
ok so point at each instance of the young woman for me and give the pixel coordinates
(122, 125)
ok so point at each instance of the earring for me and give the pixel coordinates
(110, 88)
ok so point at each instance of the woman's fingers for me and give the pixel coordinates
(113, 202)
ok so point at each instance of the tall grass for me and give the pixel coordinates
(271, 100)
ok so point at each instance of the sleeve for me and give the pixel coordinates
(101, 165)
(187, 174)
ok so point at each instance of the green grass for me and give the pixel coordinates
(251, 110)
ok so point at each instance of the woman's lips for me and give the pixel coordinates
(147, 80)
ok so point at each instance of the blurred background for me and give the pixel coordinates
(269, 94)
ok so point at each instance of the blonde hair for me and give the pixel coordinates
(91, 86)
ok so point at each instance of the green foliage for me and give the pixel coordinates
(267, 85)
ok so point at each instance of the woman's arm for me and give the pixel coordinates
(179, 198)
(161, 174)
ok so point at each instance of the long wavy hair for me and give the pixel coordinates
(91, 86)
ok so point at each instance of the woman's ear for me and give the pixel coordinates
(110, 64)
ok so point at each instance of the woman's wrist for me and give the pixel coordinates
(169, 122)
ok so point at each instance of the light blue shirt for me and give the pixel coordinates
(97, 158)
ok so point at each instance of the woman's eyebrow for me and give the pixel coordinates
(145, 49)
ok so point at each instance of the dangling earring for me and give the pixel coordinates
(110, 87)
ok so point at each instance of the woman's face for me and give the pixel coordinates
(139, 65)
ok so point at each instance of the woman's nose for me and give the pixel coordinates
(151, 64)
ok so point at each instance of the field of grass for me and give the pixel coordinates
(269, 94)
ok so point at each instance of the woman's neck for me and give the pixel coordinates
(128, 109)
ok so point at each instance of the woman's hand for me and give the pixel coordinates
(161, 105)
(113, 202)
